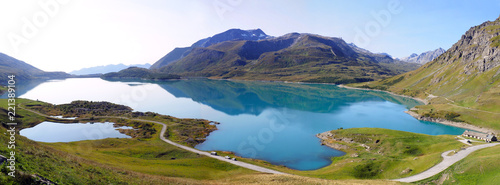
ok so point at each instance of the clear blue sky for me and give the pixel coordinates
(73, 34)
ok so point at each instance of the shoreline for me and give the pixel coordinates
(415, 115)
(323, 138)
(451, 123)
(436, 120)
(357, 88)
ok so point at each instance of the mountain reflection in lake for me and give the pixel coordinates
(272, 121)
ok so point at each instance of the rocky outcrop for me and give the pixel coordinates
(334, 141)
(477, 50)
(326, 139)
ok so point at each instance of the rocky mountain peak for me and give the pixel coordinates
(232, 34)
(478, 49)
(423, 57)
(229, 35)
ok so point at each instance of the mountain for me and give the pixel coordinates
(106, 69)
(462, 84)
(232, 34)
(23, 71)
(139, 73)
(292, 57)
(424, 57)
(386, 54)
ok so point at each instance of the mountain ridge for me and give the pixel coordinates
(424, 57)
(291, 57)
(23, 71)
(231, 34)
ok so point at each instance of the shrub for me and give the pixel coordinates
(452, 116)
(412, 151)
(367, 171)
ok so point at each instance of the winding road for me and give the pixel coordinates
(447, 162)
(162, 133)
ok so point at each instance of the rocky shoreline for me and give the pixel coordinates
(451, 123)
(325, 136)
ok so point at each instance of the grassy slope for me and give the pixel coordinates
(151, 156)
(24, 118)
(474, 96)
(479, 168)
(398, 152)
(66, 168)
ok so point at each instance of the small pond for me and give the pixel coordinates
(52, 132)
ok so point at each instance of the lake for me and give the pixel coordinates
(51, 132)
(272, 121)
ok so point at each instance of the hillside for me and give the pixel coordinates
(464, 81)
(292, 57)
(23, 71)
(477, 168)
(424, 57)
(139, 73)
(106, 69)
(384, 153)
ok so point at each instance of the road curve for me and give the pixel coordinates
(162, 133)
(238, 163)
(447, 162)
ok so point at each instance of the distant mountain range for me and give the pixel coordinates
(424, 57)
(106, 69)
(253, 55)
(23, 71)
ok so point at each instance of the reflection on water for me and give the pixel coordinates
(276, 122)
(51, 132)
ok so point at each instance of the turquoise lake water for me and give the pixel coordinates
(272, 121)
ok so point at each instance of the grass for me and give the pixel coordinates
(474, 117)
(23, 118)
(151, 156)
(66, 168)
(294, 180)
(480, 167)
(396, 151)
(474, 98)
(3, 89)
(495, 41)
(189, 132)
